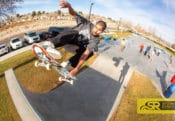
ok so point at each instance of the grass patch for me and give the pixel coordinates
(7, 109)
(117, 34)
(16, 61)
(123, 34)
(139, 86)
(39, 80)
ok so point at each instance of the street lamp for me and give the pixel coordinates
(90, 10)
(119, 23)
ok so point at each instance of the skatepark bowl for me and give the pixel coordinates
(93, 97)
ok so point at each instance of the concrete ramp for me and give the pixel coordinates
(93, 96)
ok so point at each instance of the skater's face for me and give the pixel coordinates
(97, 30)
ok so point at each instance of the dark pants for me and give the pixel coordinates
(70, 37)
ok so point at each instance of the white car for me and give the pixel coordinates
(31, 37)
(16, 43)
(3, 49)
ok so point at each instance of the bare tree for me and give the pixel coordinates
(7, 7)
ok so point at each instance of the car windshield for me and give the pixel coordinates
(56, 29)
(2, 46)
(32, 34)
(15, 40)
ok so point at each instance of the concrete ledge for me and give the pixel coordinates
(23, 107)
(121, 91)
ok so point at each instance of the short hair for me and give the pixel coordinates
(102, 23)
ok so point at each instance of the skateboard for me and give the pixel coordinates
(47, 61)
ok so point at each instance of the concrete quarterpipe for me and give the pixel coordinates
(92, 98)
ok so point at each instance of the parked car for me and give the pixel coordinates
(31, 37)
(3, 49)
(54, 31)
(16, 43)
(44, 35)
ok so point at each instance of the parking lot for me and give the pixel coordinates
(22, 40)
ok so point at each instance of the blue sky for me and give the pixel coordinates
(153, 15)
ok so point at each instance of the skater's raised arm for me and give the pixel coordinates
(65, 4)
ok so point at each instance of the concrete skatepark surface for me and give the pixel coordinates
(91, 98)
(94, 95)
(157, 70)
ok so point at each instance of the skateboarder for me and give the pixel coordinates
(141, 48)
(123, 44)
(171, 88)
(85, 35)
(147, 50)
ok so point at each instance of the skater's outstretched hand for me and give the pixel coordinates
(64, 4)
(73, 72)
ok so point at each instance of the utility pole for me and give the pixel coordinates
(119, 23)
(90, 10)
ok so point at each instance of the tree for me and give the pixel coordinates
(7, 7)
(33, 13)
(59, 12)
(39, 13)
(18, 15)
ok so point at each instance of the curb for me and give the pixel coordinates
(24, 109)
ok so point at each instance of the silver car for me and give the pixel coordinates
(16, 43)
(3, 49)
(31, 37)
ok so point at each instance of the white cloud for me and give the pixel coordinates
(107, 3)
(170, 4)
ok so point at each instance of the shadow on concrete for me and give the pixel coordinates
(89, 99)
(117, 60)
(165, 63)
(162, 77)
(124, 72)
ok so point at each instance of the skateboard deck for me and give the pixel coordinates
(47, 61)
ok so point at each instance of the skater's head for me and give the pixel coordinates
(99, 27)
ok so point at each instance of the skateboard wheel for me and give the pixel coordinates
(60, 79)
(36, 63)
(71, 82)
(48, 66)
